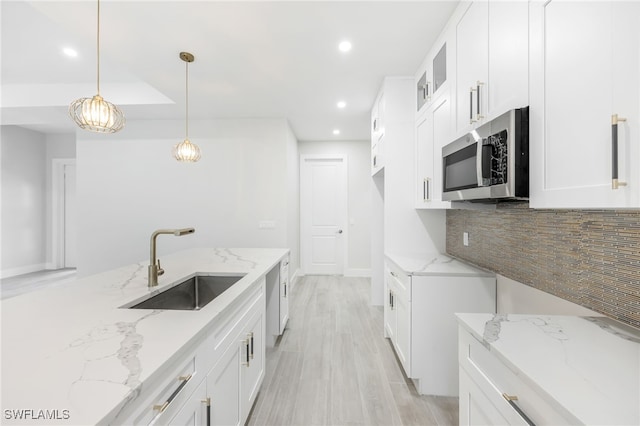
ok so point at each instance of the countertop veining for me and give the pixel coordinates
(435, 264)
(73, 347)
(586, 366)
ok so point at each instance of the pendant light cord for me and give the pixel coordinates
(98, 47)
(187, 97)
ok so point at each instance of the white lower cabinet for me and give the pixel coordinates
(491, 393)
(284, 294)
(217, 381)
(420, 322)
(223, 387)
(194, 411)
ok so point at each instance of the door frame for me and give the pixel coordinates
(57, 210)
(345, 214)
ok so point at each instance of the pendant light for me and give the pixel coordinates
(186, 151)
(96, 114)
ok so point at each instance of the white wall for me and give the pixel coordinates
(359, 195)
(23, 217)
(58, 146)
(293, 205)
(128, 185)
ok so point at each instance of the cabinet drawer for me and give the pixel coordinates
(401, 281)
(165, 398)
(500, 384)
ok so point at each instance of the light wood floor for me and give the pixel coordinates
(333, 366)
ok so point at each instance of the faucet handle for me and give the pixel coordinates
(160, 270)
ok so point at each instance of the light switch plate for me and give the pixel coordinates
(465, 239)
(267, 224)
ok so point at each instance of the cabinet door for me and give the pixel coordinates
(402, 341)
(389, 309)
(584, 69)
(441, 136)
(508, 56)
(194, 410)
(475, 407)
(253, 361)
(471, 70)
(223, 387)
(284, 301)
(424, 160)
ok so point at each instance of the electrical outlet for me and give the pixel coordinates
(465, 239)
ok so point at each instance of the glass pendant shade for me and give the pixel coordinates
(186, 152)
(97, 115)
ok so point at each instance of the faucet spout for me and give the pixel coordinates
(154, 265)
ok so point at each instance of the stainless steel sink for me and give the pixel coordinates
(192, 294)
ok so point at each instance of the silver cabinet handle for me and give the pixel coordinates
(250, 336)
(615, 183)
(511, 399)
(471, 120)
(478, 116)
(426, 193)
(393, 274)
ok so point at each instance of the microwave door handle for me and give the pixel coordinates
(479, 162)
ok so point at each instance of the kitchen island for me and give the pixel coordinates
(73, 354)
(544, 369)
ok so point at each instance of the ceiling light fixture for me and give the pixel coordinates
(344, 46)
(186, 151)
(96, 114)
(342, 104)
(336, 132)
(70, 52)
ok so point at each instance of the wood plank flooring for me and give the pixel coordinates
(333, 365)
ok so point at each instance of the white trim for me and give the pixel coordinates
(357, 272)
(345, 228)
(21, 270)
(57, 211)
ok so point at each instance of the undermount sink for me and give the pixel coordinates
(192, 294)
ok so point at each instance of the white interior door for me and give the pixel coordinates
(70, 216)
(323, 214)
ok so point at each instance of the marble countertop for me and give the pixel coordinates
(588, 366)
(72, 348)
(435, 264)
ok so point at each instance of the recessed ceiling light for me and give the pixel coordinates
(70, 52)
(344, 46)
(342, 104)
(336, 131)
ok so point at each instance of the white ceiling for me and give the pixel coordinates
(252, 59)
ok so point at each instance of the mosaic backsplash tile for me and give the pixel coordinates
(591, 258)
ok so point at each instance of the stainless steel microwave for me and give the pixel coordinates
(491, 162)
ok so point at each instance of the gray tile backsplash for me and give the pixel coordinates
(591, 258)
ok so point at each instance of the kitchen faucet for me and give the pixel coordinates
(154, 265)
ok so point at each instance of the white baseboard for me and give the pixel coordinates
(357, 272)
(294, 279)
(21, 270)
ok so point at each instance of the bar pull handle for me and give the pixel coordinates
(161, 407)
(426, 190)
(285, 290)
(250, 337)
(207, 401)
(615, 183)
(511, 400)
(478, 116)
(245, 343)
(393, 302)
(471, 120)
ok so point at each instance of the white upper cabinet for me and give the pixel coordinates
(491, 61)
(433, 130)
(584, 70)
